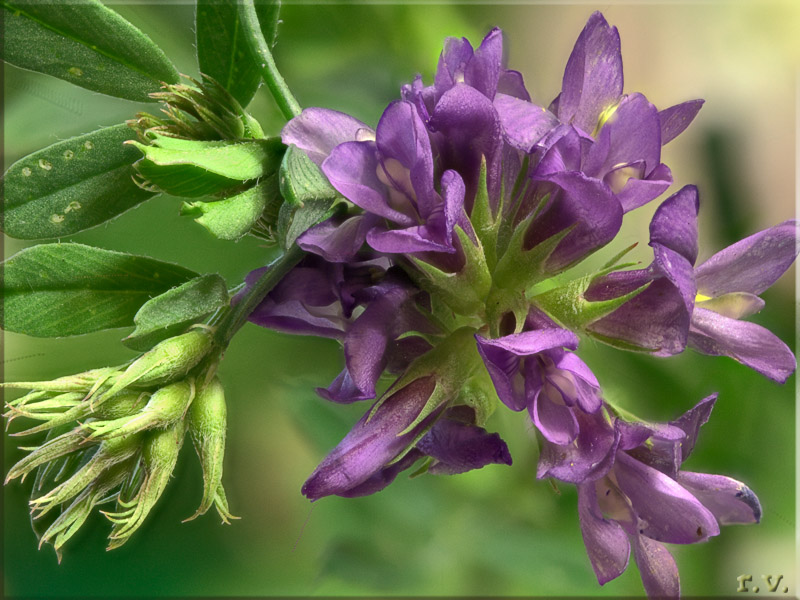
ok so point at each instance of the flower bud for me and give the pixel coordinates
(81, 382)
(58, 446)
(109, 453)
(167, 361)
(165, 407)
(159, 456)
(207, 421)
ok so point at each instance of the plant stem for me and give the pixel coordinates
(233, 321)
(269, 71)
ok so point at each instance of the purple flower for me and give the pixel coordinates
(532, 370)
(657, 319)
(728, 285)
(639, 497)
(376, 450)
(319, 298)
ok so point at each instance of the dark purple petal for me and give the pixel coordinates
(729, 500)
(750, 265)
(674, 224)
(352, 168)
(453, 62)
(336, 240)
(593, 77)
(458, 447)
(638, 192)
(373, 443)
(657, 568)
(606, 542)
(746, 342)
(318, 131)
(524, 124)
(589, 206)
(343, 390)
(677, 118)
(666, 511)
(691, 421)
(589, 457)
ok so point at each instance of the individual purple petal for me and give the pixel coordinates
(691, 421)
(453, 62)
(483, 71)
(384, 477)
(402, 137)
(677, 118)
(589, 457)
(336, 240)
(674, 224)
(657, 568)
(606, 542)
(512, 84)
(632, 133)
(556, 422)
(372, 443)
(589, 206)
(405, 241)
(593, 76)
(352, 168)
(666, 511)
(459, 447)
(750, 265)
(293, 317)
(746, 342)
(524, 124)
(638, 192)
(729, 500)
(318, 131)
(560, 150)
(531, 342)
(584, 387)
(343, 390)
(734, 305)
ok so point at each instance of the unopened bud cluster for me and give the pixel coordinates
(115, 434)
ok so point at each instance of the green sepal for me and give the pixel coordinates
(235, 216)
(301, 180)
(479, 394)
(483, 221)
(192, 168)
(86, 44)
(519, 269)
(464, 292)
(569, 307)
(71, 186)
(173, 311)
(451, 362)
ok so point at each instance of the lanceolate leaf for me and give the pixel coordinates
(54, 290)
(233, 217)
(193, 169)
(222, 50)
(71, 186)
(85, 43)
(173, 311)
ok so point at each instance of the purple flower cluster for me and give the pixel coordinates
(465, 198)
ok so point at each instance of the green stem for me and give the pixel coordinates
(269, 71)
(233, 321)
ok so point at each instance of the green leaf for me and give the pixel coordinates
(54, 290)
(222, 50)
(193, 169)
(173, 311)
(85, 43)
(234, 217)
(71, 186)
(301, 180)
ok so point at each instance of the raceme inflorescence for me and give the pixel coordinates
(444, 249)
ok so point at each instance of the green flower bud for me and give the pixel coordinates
(207, 422)
(82, 382)
(167, 361)
(159, 456)
(69, 521)
(108, 454)
(165, 407)
(59, 446)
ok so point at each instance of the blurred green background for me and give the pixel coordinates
(496, 531)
